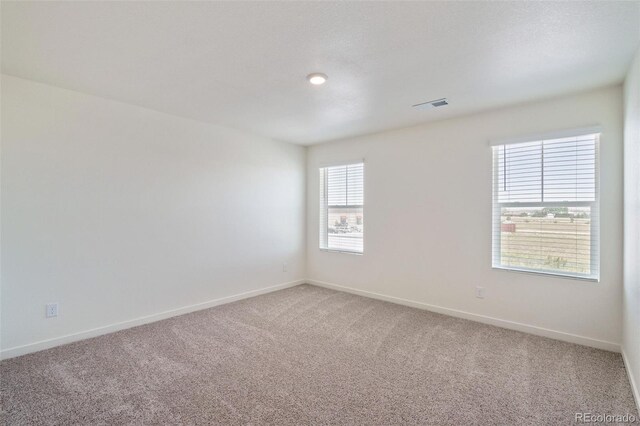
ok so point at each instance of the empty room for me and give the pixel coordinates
(320, 213)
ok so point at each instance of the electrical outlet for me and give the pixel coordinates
(284, 267)
(52, 310)
(480, 292)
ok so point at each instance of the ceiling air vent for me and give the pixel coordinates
(432, 104)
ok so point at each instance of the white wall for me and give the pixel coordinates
(421, 245)
(117, 212)
(631, 297)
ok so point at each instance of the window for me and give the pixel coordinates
(342, 208)
(546, 205)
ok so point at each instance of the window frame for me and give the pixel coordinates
(496, 230)
(324, 198)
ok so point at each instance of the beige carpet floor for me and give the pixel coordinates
(308, 355)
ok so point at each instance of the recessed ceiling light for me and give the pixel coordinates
(317, 78)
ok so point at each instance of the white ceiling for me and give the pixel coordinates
(243, 65)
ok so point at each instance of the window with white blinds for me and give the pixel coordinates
(546, 206)
(342, 208)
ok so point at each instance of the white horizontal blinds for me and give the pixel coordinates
(546, 215)
(342, 207)
(323, 208)
(520, 172)
(570, 169)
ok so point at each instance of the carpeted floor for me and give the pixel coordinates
(308, 355)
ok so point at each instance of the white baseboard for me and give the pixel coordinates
(512, 325)
(632, 381)
(558, 335)
(74, 337)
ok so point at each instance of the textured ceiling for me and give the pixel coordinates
(243, 65)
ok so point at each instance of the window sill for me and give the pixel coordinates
(357, 253)
(546, 274)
